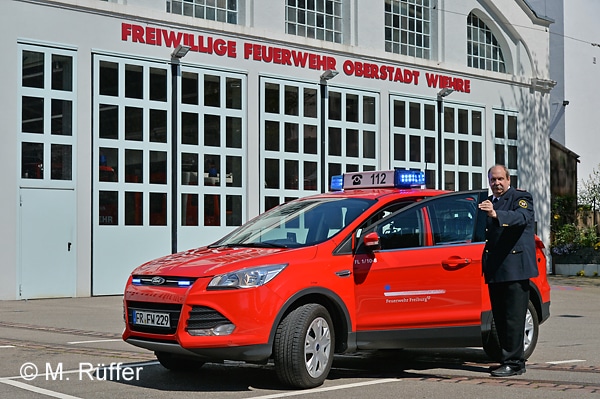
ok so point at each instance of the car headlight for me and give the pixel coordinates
(246, 278)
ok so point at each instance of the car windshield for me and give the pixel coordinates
(298, 223)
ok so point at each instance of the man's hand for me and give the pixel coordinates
(488, 208)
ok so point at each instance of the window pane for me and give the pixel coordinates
(32, 115)
(399, 113)
(212, 210)
(512, 127)
(512, 157)
(134, 123)
(32, 160)
(335, 141)
(448, 119)
(189, 169)
(351, 108)
(271, 173)
(158, 209)
(310, 139)
(463, 121)
(499, 126)
(189, 88)
(351, 143)
(212, 91)
(429, 150)
(369, 144)
(291, 175)
(429, 117)
(415, 116)
(499, 153)
(449, 152)
(158, 167)
(134, 208)
(291, 137)
(109, 164)
(310, 175)
(449, 181)
(291, 100)
(212, 170)
(109, 78)
(33, 69)
(134, 166)
(233, 94)
(271, 202)
(310, 103)
(399, 147)
(476, 123)
(463, 153)
(62, 117)
(189, 128)
(233, 210)
(108, 207)
(233, 177)
(477, 154)
(212, 130)
(158, 84)
(134, 81)
(272, 98)
(335, 106)
(272, 136)
(61, 161)
(233, 132)
(62, 72)
(415, 148)
(158, 126)
(189, 209)
(369, 110)
(109, 121)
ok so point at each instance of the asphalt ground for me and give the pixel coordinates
(44, 343)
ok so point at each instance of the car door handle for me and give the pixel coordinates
(455, 262)
(343, 273)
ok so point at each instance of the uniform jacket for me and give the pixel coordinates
(509, 252)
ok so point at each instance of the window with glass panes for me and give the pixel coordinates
(316, 19)
(414, 142)
(506, 143)
(211, 148)
(47, 108)
(483, 50)
(214, 10)
(463, 147)
(408, 27)
(290, 141)
(351, 141)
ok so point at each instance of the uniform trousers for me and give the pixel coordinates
(509, 306)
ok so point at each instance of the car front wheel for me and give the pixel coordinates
(491, 344)
(303, 347)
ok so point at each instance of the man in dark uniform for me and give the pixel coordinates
(508, 264)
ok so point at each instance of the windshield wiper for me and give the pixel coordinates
(255, 245)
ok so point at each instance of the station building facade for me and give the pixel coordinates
(118, 148)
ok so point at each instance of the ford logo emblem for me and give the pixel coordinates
(157, 280)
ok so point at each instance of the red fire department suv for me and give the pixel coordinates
(375, 265)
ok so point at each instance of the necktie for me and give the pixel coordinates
(495, 200)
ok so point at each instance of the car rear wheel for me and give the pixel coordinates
(303, 347)
(491, 344)
(177, 363)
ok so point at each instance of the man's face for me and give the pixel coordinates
(499, 183)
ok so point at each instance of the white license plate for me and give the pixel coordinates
(143, 318)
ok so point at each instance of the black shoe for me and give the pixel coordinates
(507, 371)
(493, 368)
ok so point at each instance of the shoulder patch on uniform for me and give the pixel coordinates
(523, 203)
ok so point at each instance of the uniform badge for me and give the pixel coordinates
(523, 204)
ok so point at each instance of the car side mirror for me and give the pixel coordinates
(371, 241)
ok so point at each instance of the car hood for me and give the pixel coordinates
(206, 262)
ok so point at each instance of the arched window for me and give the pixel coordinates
(483, 50)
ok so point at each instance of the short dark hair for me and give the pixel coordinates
(499, 166)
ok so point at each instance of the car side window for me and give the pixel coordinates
(402, 230)
(453, 218)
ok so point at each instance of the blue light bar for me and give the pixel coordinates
(337, 183)
(136, 281)
(408, 178)
(184, 283)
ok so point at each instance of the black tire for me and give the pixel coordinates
(304, 346)
(491, 344)
(177, 363)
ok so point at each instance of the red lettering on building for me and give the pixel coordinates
(443, 81)
(380, 72)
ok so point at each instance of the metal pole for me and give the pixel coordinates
(440, 109)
